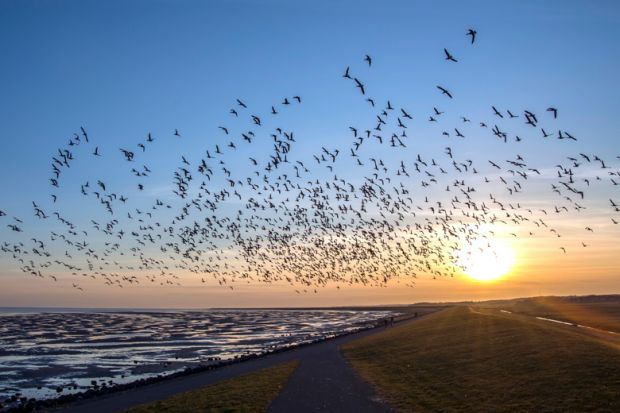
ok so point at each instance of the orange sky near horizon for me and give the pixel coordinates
(539, 269)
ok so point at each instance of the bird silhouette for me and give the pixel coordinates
(444, 91)
(472, 33)
(449, 56)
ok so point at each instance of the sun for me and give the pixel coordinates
(486, 260)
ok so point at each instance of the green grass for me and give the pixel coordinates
(247, 393)
(460, 360)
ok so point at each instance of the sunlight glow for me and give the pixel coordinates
(486, 260)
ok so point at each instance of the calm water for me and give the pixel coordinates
(42, 351)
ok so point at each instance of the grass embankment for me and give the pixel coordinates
(461, 360)
(247, 393)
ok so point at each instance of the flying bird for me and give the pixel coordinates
(359, 85)
(449, 56)
(444, 91)
(472, 33)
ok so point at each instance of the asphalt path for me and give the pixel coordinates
(325, 382)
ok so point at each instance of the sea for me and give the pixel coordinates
(49, 352)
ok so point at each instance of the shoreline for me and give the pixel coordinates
(58, 403)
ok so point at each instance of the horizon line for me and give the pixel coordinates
(378, 306)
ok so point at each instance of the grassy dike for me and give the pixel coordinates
(247, 393)
(475, 360)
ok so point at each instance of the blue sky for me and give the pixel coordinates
(122, 69)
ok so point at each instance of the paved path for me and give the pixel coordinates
(323, 382)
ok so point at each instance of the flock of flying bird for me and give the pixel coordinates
(285, 218)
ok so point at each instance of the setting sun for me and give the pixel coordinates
(486, 260)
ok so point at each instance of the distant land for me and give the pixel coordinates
(592, 298)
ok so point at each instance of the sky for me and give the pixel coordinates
(122, 69)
